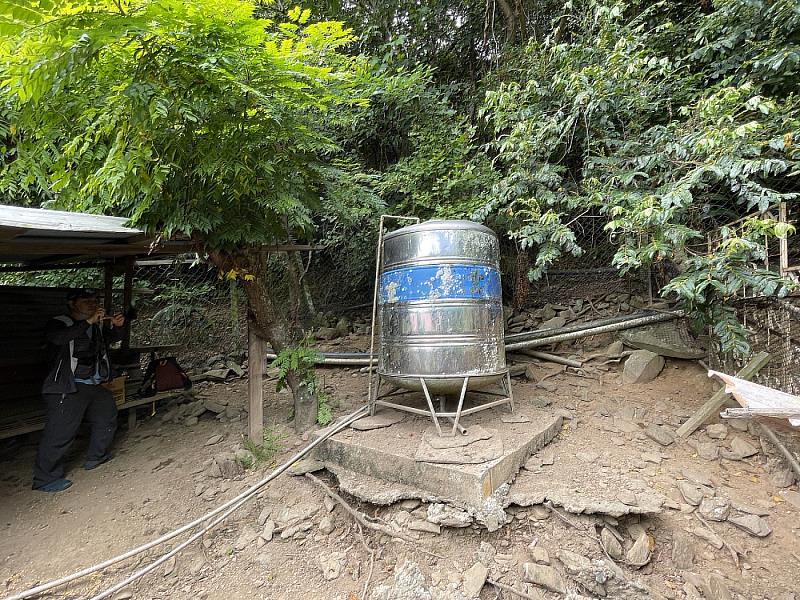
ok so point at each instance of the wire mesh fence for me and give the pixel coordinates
(773, 326)
(185, 303)
(590, 275)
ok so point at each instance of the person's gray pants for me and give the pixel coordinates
(65, 412)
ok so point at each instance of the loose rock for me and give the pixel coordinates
(538, 554)
(642, 366)
(326, 525)
(305, 465)
(268, 531)
(752, 524)
(214, 439)
(741, 449)
(474, 578)
(447, 516)
(717, 431)
(544, 576)
(639, 553)
(659, 434)
(682, 551)
(611, 544)
(424, 526)
(331, 565)
(693, 494)
(247, 537)
(715, 509)
(696, 477)
(783, 478)
(717, 589)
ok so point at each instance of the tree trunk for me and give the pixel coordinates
(306, 406)
(270, 322)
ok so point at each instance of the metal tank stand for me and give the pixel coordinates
(504, 397)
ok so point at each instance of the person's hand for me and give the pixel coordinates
(97, 316)
(118, 320)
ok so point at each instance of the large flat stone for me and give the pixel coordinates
(390, 456)
(588, 491)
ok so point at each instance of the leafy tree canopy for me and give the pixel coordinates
(189, 116)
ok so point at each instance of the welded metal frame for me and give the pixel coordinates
(505, 397)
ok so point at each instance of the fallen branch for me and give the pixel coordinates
(783, 449)
(361, 518)
(734, 552)
(508, 588)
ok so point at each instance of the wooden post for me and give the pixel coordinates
(718, 399)
(127, 299)
(109, 287)
(255, 361)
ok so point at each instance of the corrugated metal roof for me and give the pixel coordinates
(56, 223)
(36, 236)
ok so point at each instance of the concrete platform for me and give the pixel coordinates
(409, 455)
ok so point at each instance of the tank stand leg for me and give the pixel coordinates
(507, 385)
(374, 399)
(460, 406)
(430, 406)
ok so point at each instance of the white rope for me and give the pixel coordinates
(228, 508)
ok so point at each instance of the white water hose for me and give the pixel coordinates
(227, 508)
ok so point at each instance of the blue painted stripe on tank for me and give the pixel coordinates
(440, 282)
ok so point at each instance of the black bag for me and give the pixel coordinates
(164, 374)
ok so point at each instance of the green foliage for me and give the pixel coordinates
(324, 412)
(67, 278)
(299, 361)
(273, 444)
(616, 124)
(711, 282)
(189, 117)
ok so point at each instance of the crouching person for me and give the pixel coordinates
(78, 349)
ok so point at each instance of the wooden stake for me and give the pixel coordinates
(718, 399)
(255, 361)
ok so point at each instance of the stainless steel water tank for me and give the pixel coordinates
(440, 310)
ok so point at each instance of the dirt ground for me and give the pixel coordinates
(160, 480)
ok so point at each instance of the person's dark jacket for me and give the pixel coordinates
(60, 333)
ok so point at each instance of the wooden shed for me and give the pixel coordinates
(34, 239)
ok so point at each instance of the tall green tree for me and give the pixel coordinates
(190, 117)
(666, 130)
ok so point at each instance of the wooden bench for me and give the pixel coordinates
(28, 422)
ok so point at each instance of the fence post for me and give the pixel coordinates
(784, 241)
(255, 361)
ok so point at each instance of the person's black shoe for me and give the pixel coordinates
(93, 464)
(59, 485)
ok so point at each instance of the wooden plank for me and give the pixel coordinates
(744, 413)
(32, 247)
(255, 361)
(716, 401)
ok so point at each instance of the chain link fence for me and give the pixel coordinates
(773, 326)
(588, 276)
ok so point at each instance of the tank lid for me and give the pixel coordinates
(440, 225)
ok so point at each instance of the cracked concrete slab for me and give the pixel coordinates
(586, 492)
(390, 455)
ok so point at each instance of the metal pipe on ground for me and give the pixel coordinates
(533, 338)
(574, 335)
(559, 360)
(231, 504)
(540, 333)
